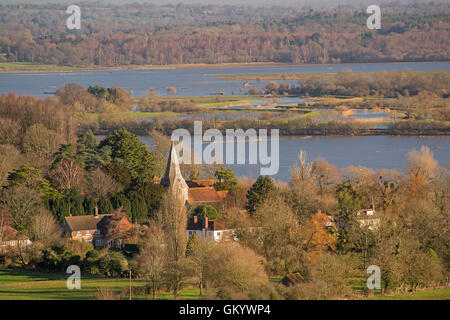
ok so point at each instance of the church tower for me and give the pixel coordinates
(173, 178)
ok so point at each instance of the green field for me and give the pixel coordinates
(429, 294)
(126, 115)
(19, 284)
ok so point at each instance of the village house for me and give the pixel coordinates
(368, 217)
(11, 238)
(102, 230)
(209, 229)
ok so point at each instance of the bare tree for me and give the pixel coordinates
(68, 174)
(424, 161)
(100, 184)
(41, 142)
(302, 171)
(203, 267)
(151, 260)
(22, 204)
(325, 173)
(241, 269)
(173, 219)
(5, 220)
(10, 158)
(44, 227)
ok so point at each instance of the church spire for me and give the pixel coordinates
(172, 177)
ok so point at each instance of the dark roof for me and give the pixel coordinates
(201, 183)
(89, 222)
(213, 225)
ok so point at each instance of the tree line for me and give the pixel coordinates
(146, 34)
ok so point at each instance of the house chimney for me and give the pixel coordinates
(195, 219)
(206, 223)
(95, 211)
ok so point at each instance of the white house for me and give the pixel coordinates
(209, 229)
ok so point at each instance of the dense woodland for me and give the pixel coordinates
(138, 34)
(49, 170)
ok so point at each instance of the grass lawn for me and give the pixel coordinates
(429, 294)
(19, 284)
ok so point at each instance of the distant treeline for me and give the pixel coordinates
(138, 34)
(293, 127)
(356, 84)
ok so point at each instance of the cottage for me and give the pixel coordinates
(368, 217)
(101, 230)
(11, 238)
(209, 229)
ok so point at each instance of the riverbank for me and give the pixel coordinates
(11, 67)
(302, 76)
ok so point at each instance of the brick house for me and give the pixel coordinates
(102, 230)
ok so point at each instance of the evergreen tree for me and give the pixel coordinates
(104, 206)
(89, 205)
(75, 201)
(226, 180)
(127, 149)
(191, 244)
(205, 210)
(259, 192)
(139, 210)
(153, 195)
(120, 200)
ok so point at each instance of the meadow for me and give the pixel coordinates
(20, 284)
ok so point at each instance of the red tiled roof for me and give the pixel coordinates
(8, 233)
(205, 195)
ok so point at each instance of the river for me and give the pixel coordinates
(188, 82)
(375, 152)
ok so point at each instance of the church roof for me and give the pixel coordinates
(201, 183)
(205, 195)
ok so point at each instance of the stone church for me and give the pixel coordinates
(191, 191)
